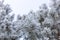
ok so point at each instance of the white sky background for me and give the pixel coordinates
(24, 6)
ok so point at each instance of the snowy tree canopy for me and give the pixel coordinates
(43, 24)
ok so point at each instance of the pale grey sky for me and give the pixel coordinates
(24, 6)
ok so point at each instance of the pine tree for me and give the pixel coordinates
(44, 24)
(6, 22)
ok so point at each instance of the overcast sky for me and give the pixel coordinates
(24, 6)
